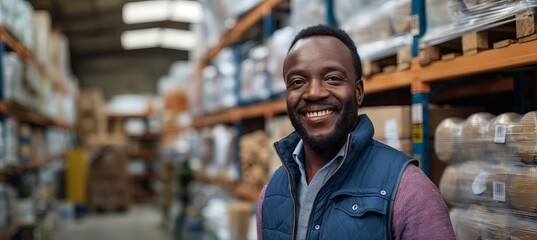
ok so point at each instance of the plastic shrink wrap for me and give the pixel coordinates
(306, 13)
(453, 18)
(493, 191)
(278, 45)
(255, 80)
(508, 137)
(379, 29)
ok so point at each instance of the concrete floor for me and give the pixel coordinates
(141, 222)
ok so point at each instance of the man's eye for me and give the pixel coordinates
(333, 78)
(298, 82)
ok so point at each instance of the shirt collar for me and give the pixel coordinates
(297, 154)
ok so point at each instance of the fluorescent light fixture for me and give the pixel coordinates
(186, 11)
(144, 38)
(178, 39)
(162, 10)
(158, 37)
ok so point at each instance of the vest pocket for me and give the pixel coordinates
(357, 205)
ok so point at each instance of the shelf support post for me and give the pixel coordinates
(330, 16)
(417, 24)
(421, 93)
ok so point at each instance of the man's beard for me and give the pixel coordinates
(344, 126)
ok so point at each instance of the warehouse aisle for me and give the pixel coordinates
(141, 222)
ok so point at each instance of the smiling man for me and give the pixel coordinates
(336, 182)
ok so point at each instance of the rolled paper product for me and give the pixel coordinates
(448, 184)
(526, 137)
(495, 225)
(473, 134)
(500, 138)
(523, 189)
(498, 184)
(523, 228)
(446, 140)
(467, 224)
(472, 182)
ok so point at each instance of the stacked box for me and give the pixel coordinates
(393, 126)
(277, 128)
(254, 156)
(90, 113)
(108, 179)
(239, 219)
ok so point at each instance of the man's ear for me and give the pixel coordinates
(359, 91)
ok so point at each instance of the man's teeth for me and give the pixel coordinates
(318, 113)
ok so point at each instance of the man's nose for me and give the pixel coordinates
(315, 90)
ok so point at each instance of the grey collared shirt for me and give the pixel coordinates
(307, 193)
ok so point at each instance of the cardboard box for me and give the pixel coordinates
(395, 122)
(239, 219)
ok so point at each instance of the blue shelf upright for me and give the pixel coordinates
(420, 94)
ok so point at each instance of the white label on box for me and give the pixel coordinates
(417, 113)
(390, 130)
(479, 185)
(499, 134)
(415, 25)
(498, 191)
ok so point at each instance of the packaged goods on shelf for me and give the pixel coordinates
(13, 77)
(108, 179)
(42, 26)
(278, 45)
(477, 182)
(481, 223)
(254, 155)
(135, 127)
(473, 135)
(240, 219)
(306, 13)
(235, 8)
(447, 20)
(3, 208)
(394, 122)
(25, 141)
(211, 93)
(11, 142)
(16, 16)
(254, 78)
(344, 9)
(526, 137)
(225, 155)
(212, 24)
(178, 78)
(380, 29)
(91, 118)
(228, 68)
(277, 128)
(504, 138)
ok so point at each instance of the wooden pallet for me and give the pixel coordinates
(399, 61)
(523, 29)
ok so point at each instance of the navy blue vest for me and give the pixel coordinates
(356, 203)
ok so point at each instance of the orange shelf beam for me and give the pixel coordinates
(14, 44)
(388, 81)
(515, 55)
(243, 24)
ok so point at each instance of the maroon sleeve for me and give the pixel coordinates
(259, 211)
(419, 212)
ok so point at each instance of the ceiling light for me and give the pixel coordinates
(178, 39)
(162, 10)
(145, 38)
(158, 37)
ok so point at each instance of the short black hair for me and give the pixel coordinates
(325, 30)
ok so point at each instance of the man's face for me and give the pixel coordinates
(322, 91)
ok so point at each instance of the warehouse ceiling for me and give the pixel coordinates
(94, 29)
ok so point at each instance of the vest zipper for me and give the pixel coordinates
(317, 196)
(291, 189)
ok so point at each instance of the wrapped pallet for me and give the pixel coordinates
(254, 156)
